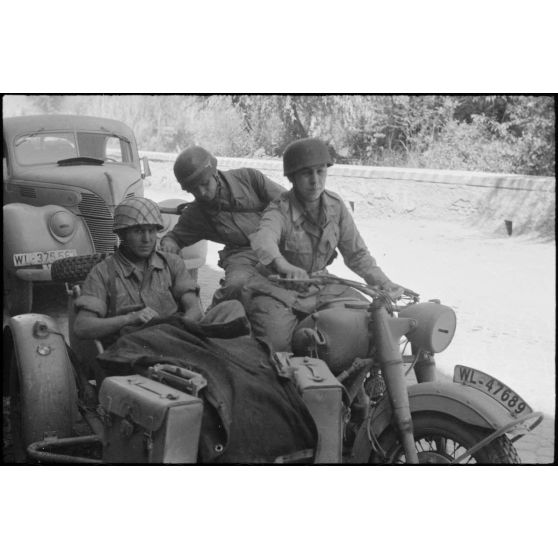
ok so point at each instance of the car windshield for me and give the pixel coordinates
(50, 147)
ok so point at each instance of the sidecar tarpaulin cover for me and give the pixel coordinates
(251, 415)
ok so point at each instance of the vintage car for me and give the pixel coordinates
(63, 175)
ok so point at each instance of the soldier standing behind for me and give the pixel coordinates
(227, 210)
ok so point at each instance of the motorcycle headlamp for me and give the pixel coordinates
(62, 224)
(435, 327)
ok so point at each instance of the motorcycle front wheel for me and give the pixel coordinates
(441, 439)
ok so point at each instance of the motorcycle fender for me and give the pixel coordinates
(464, 403)
(26, 229)
(41, 356)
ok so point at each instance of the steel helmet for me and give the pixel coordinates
(304, 153)
(137, 211)
(194, 165)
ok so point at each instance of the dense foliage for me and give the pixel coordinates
(495, 133)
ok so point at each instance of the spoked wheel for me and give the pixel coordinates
(440, 439)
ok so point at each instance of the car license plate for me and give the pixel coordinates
(494, 388)
(42, 258)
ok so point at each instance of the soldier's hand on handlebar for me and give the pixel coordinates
(289, 271)
(393, 290)
(169, 245)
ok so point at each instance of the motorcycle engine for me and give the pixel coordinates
(336, 335)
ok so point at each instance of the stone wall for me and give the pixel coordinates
(486, 200)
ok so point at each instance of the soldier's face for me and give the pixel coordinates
(206, 190)
(140, 240)
(309, 183)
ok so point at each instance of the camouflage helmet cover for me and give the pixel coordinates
(194, 165)
(303, 153)
(137, 211)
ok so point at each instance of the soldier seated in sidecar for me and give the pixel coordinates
(137, 283)
(139, 289)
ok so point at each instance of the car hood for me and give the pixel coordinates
(108, 180)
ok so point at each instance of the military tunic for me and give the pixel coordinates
(162, 285)
(287, 230)
(229, 219)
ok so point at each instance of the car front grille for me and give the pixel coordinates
(27, 192)
(98, 217)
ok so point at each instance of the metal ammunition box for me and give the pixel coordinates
(148, 422)
(322, 394)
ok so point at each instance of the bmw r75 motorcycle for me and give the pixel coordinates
(473, 419)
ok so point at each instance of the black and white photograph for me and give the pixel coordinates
(279, 279)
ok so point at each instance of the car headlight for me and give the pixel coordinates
(62, 224)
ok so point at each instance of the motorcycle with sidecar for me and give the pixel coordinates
(351, 365)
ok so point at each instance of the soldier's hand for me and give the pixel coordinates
(169, 245)
(193, 312)
(143, 316)
(393, 290)
(288, 270)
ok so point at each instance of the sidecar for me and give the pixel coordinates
(156, 415)
(62, 411)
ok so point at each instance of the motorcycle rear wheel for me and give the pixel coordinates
(440, 439)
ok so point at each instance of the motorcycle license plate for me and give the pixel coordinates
(42, 258)
(499, 391)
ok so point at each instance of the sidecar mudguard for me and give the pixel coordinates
(46, 378)
(463, 403)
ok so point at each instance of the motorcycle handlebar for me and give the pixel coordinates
(334, 279)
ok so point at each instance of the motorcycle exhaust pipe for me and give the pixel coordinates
(387, 332)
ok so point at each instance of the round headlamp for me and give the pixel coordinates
(435, 327)
(62, 223)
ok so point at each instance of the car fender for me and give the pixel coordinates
(26, 229)
(464, 403)
(47, 376)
